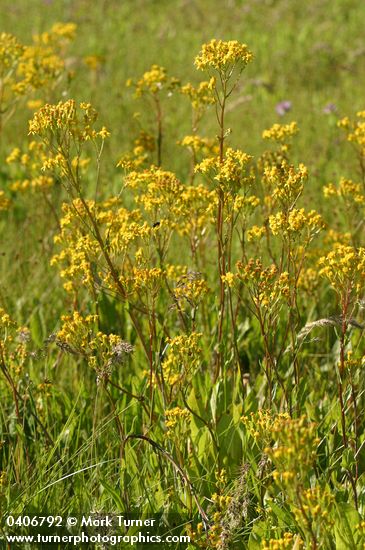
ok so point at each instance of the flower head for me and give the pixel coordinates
(283, 107)
(221, 55)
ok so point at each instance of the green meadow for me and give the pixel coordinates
(182, 271)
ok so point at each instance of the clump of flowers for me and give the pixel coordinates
(229, 172)
(190, 290)
(25, 69)
(294, 457)
(68, 119)
(154, 81)
(234, 296)
(14, 350)
(175, 421)
(199, 148)
(183, 357)
(154, 84)
(355, 130)
(344, 268)
(286, 540)
(295, 448)
(263, 424)
(169, 204)
(286, 182)
(4, 201)
(281, 133)
(27, 172)
(78, 335)
(295, 222)
(201, 97)
(346, 189)
(65, 128)
(220, 55)
(220, 501)
(144, 145)
(265, 285)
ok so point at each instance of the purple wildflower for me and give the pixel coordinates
(283, 107)
(329, 108)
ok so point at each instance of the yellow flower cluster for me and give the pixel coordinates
(4, 201)
(67, 118)
(122, 230)
(262, 424)
(314, 508)
(190, 290)
(355, 130)
(94, 62)
(287, 540)
(183, 357)
(196, 211)
(154, 81)
(229, 173)
(64, 129)
(267, 286)
(175, 417)
(45, 387)
(256, 233)
(200, 96)
(144, 142)
(344, 267)
(123, 227)
(334, 237)
(346, 189)
(158, 188)
(220, 55)
(198, 144)
(309, 280)
(79, 250)
(143, 145)
(5, 319)
(107, 351)
(352, 363)
(295, 448)
(242, 203)
(40, 65)
(286, 181)
(76, 331)
(147, 279)
(27, 173)
(295, 222)
(10, 50)
(77, 335)
(59, 31)
(168, 202)
(281, 132)
(13, 343)
(221, 501)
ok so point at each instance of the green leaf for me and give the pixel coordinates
(36, 326)
(114, 494)
(196, 404)
(257, 535)
(345, 527)
(282, 514)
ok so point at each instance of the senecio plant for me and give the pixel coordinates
(200, 306)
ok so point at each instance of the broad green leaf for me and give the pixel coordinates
(257, 535)
(345, 527)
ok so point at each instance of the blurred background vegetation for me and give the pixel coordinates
(309, 67)
(308, 55)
